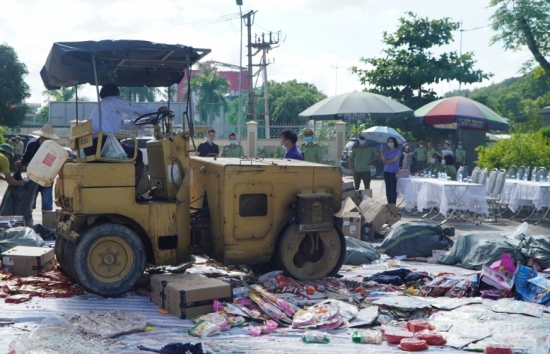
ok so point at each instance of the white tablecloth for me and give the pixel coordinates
(425, 193)
(519, 193)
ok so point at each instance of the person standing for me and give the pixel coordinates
(288, 143)
(6, 153)
(431, 150)
(460, 156)
(208, 148)
(360, 161)
(312, 152)
(390, 159)
(19, 148)
(421, 156)
(406, 157)
(232, 149)
(45, 133)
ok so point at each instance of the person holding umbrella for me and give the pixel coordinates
(359, 163)
(390, 159)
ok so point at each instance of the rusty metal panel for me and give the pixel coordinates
(316, 212)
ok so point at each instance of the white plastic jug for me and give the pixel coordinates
(46, 163)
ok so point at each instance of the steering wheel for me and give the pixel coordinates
(148, 118)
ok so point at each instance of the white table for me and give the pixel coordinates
(519, 193)
(447, 196)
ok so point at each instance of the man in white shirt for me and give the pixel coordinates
(112, 108)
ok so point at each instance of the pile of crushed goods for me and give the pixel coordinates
(495, 303)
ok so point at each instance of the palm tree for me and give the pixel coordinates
(211, 89)
(140, 94)
(64, 94)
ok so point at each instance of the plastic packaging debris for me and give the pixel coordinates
(402, 302)
(432, 338)
(521, 307)
(412, 344)
(394, 336)
(56, 335)
(365, 317)
(315, 337)
(204, 329)
(498, 348)
(17, 299)
(347, 311)
(271, 310)
(109, 324)
(268, 327)
(287, 308)
(215, 318)
(367, 336)
(303, 318)
(419, 325)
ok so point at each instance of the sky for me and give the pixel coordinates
(320, 39)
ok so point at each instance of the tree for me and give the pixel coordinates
(140, 94)
(523, 23)
(64, 94)
(408, 67)
(13, 89)
(288, 99)
(211, 88)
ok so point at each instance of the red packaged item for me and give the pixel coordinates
(498, 349)
(419, 325)
(17, 299)
(394, 337)
(412, 344)
(432, 338)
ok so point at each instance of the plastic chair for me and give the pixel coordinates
(493, 199)
(483, 177)
(532, 174)
(459, 174)
(475, 175)
(521, 172)
(464, 173)
(541, 174)
(512, 170)
(490, 185)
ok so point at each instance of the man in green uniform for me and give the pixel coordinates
(312, 152)
(460, 156)
(421, 156)
(6, 153)
(19, 148)
(431, 150)
(232, 149)
(359, 163)
(435, 167)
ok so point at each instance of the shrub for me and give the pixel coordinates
(532, 149)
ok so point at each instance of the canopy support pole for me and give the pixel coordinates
(76, 101)
(97, 91)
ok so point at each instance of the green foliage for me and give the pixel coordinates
(211, 88)
(523, 23)
(328, 161)
(288, 99)
(43, 115)
(530, 149)
(233, 114)
(13, 89)
(518, 99)
(140, 94)
(64, 94)
(277, 153)
(407, 66)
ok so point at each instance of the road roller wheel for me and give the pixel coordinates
(59, 251)
(312, 255)
(108, 259)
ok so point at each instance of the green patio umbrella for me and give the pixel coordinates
(355, 106)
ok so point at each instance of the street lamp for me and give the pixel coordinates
(239, 115)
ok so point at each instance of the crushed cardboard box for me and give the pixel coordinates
(347, 190)
(374, 213)
(190, 298)
(28, 261)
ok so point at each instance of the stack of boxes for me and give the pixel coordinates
(361, 215)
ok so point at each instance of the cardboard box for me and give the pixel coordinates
(348, 194)
(48, 219)
(351, 217)
(374, 213)
(27, 261)
(347, 186)
(363, 194)
(7, 222)
(160, 281)
(499, 280)
(194, 297)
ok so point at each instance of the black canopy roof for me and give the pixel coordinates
(122, 62)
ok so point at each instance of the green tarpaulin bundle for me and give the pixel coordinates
(19, 236)
(416, 239)
(359, 252)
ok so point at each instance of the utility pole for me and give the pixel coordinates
(240, 114)
(462, 30)
(248, 22)
(336, 80)
(265, 46)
